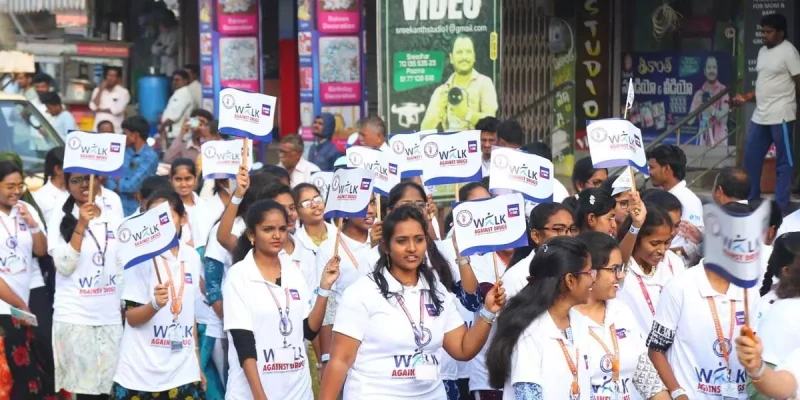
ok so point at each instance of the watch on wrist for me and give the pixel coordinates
(322, 292)
(461, 261)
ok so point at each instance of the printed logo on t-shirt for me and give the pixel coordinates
(608, 389)
(110, 235)
(740, 318)
(295, 294)
(93, 285)
(187, 278)
(431, 310)
(282, 359)
(405, 364)
(621, 333)
(23, 227)
(161, 335)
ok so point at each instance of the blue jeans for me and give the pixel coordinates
(757, 142)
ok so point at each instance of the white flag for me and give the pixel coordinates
(521, 172)
(407, 150)
(246, 114)
(629, 100)
(734, 243)
(146, 235)
(622, 183)
(222, 158)
(322, 180)
(498, 223)
(94, 153)
(616, 143)
(383, 164)
(453, 157)
(350, 193)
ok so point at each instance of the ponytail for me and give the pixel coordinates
(69, 222)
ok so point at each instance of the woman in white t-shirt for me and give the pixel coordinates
(616, 341)
(159, 349)
(265, 294)
(55, 187)
(183, 177)
(782, 256)
(22, 238)
(390, 350)
(87, 329)
(782, 383)
(313, 229)
(540, 348)
(596, 212)
(691, 340)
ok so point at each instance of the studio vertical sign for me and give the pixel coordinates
(593, 67)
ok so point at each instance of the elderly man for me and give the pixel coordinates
(291, 156)
(372, 133)
(731, 185)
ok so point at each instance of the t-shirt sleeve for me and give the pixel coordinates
(214, 250)
(793, 61)
(137, 288)
(668, 313)
(792, 366)
(526, 362)
(352, 313)
(235, 308)
(452, 319)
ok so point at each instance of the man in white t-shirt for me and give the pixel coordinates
(667, 166)
(778, 69)
(488, 128)
(179, 106)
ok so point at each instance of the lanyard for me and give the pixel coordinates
(721, 336)
(349, 253)
(284, 326)
(177, 301)
(575, 393)
(421, 332)
(614, 356)
(102, 251)
(646, 294)
(11, 242)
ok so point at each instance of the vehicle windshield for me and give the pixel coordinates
(24, 131)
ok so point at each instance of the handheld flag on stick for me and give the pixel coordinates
(146, 235)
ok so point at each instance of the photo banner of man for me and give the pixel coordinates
(439, 63)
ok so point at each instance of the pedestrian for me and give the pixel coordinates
(109, 100)
(55, 185)
(140, 162)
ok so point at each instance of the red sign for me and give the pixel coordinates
(103, 50)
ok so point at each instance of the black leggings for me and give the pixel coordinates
(93, 396)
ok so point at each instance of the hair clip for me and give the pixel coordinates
(591, 199)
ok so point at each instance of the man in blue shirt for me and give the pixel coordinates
(141, 161)
(63, 121)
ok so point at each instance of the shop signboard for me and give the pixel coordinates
(668, 86)
(438, 62)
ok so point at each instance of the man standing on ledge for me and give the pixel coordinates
(778, 68)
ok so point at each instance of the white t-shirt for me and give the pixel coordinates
(695, 355)
(691, 210)
(194, 229)
(383, 368)
(211, 210)
(792, 366)
(765, 304)
(791, 223)
(303, 239)
(775, 86)
(146, 361)
(281, 361)
(90, 295)
(215, 251)
(516, 277)
(539, 358)
(630, 343)
(351, 268)
(773, 328)
(632, 294)
(47, 198)
(179, 107)
(560, 192)
(305, 261)
(17, 263)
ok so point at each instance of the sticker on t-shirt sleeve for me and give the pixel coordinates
(621, 333)
(187, 278)
(295, 294)
(431, 310)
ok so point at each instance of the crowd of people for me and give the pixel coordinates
(264, 298)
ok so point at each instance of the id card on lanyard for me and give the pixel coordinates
(176, 301)
(729, 388)
(575, 388)
(646, 294)
(424, 369)
(614, 359)
(99, 257)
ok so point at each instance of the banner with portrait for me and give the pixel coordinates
(438, 63)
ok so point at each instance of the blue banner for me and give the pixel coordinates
(668, 86)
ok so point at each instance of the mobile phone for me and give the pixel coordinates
(194, 122)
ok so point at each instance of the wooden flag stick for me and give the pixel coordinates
(245, 152)
(158, 274)
(91, 188)
(746, 330)
(378, 207)
(634, 189)
(496, 270)
(458, 186)
(338, 238)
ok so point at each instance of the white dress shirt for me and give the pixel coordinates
(178, 109)
(196, 89)
(114, 100)
(302, 172)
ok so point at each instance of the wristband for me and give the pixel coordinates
(322, 292)
(757, 376)
(236, 200)
(677, 393)
(155, 305)
(487, 316)
(35, 230)
(461, 261)
(325, 358)
(633, 230)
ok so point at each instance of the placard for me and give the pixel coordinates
(246, 114)
(322, 180)
(452, 157)
(222, 158)
(622, 183)
(486, 225)
(94, 154)
(384, 165)
(616, 143)
(521, 172)
(146, 235)
(350, 193)
(407, 150)
(733, 243)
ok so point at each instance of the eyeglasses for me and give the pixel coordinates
(618, 270)
(310, 202)
(592, 273)
(12, 187)
(419, 204)
(563, 230)
(624, 204)
(77, 180)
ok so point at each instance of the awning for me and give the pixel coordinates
(28, 6)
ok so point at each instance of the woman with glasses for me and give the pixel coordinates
(539, 349)
(616, 343)
(585, 175)
(596, 212)
(313, 229)
(22, 238)
(87, 329)
(622, 196)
